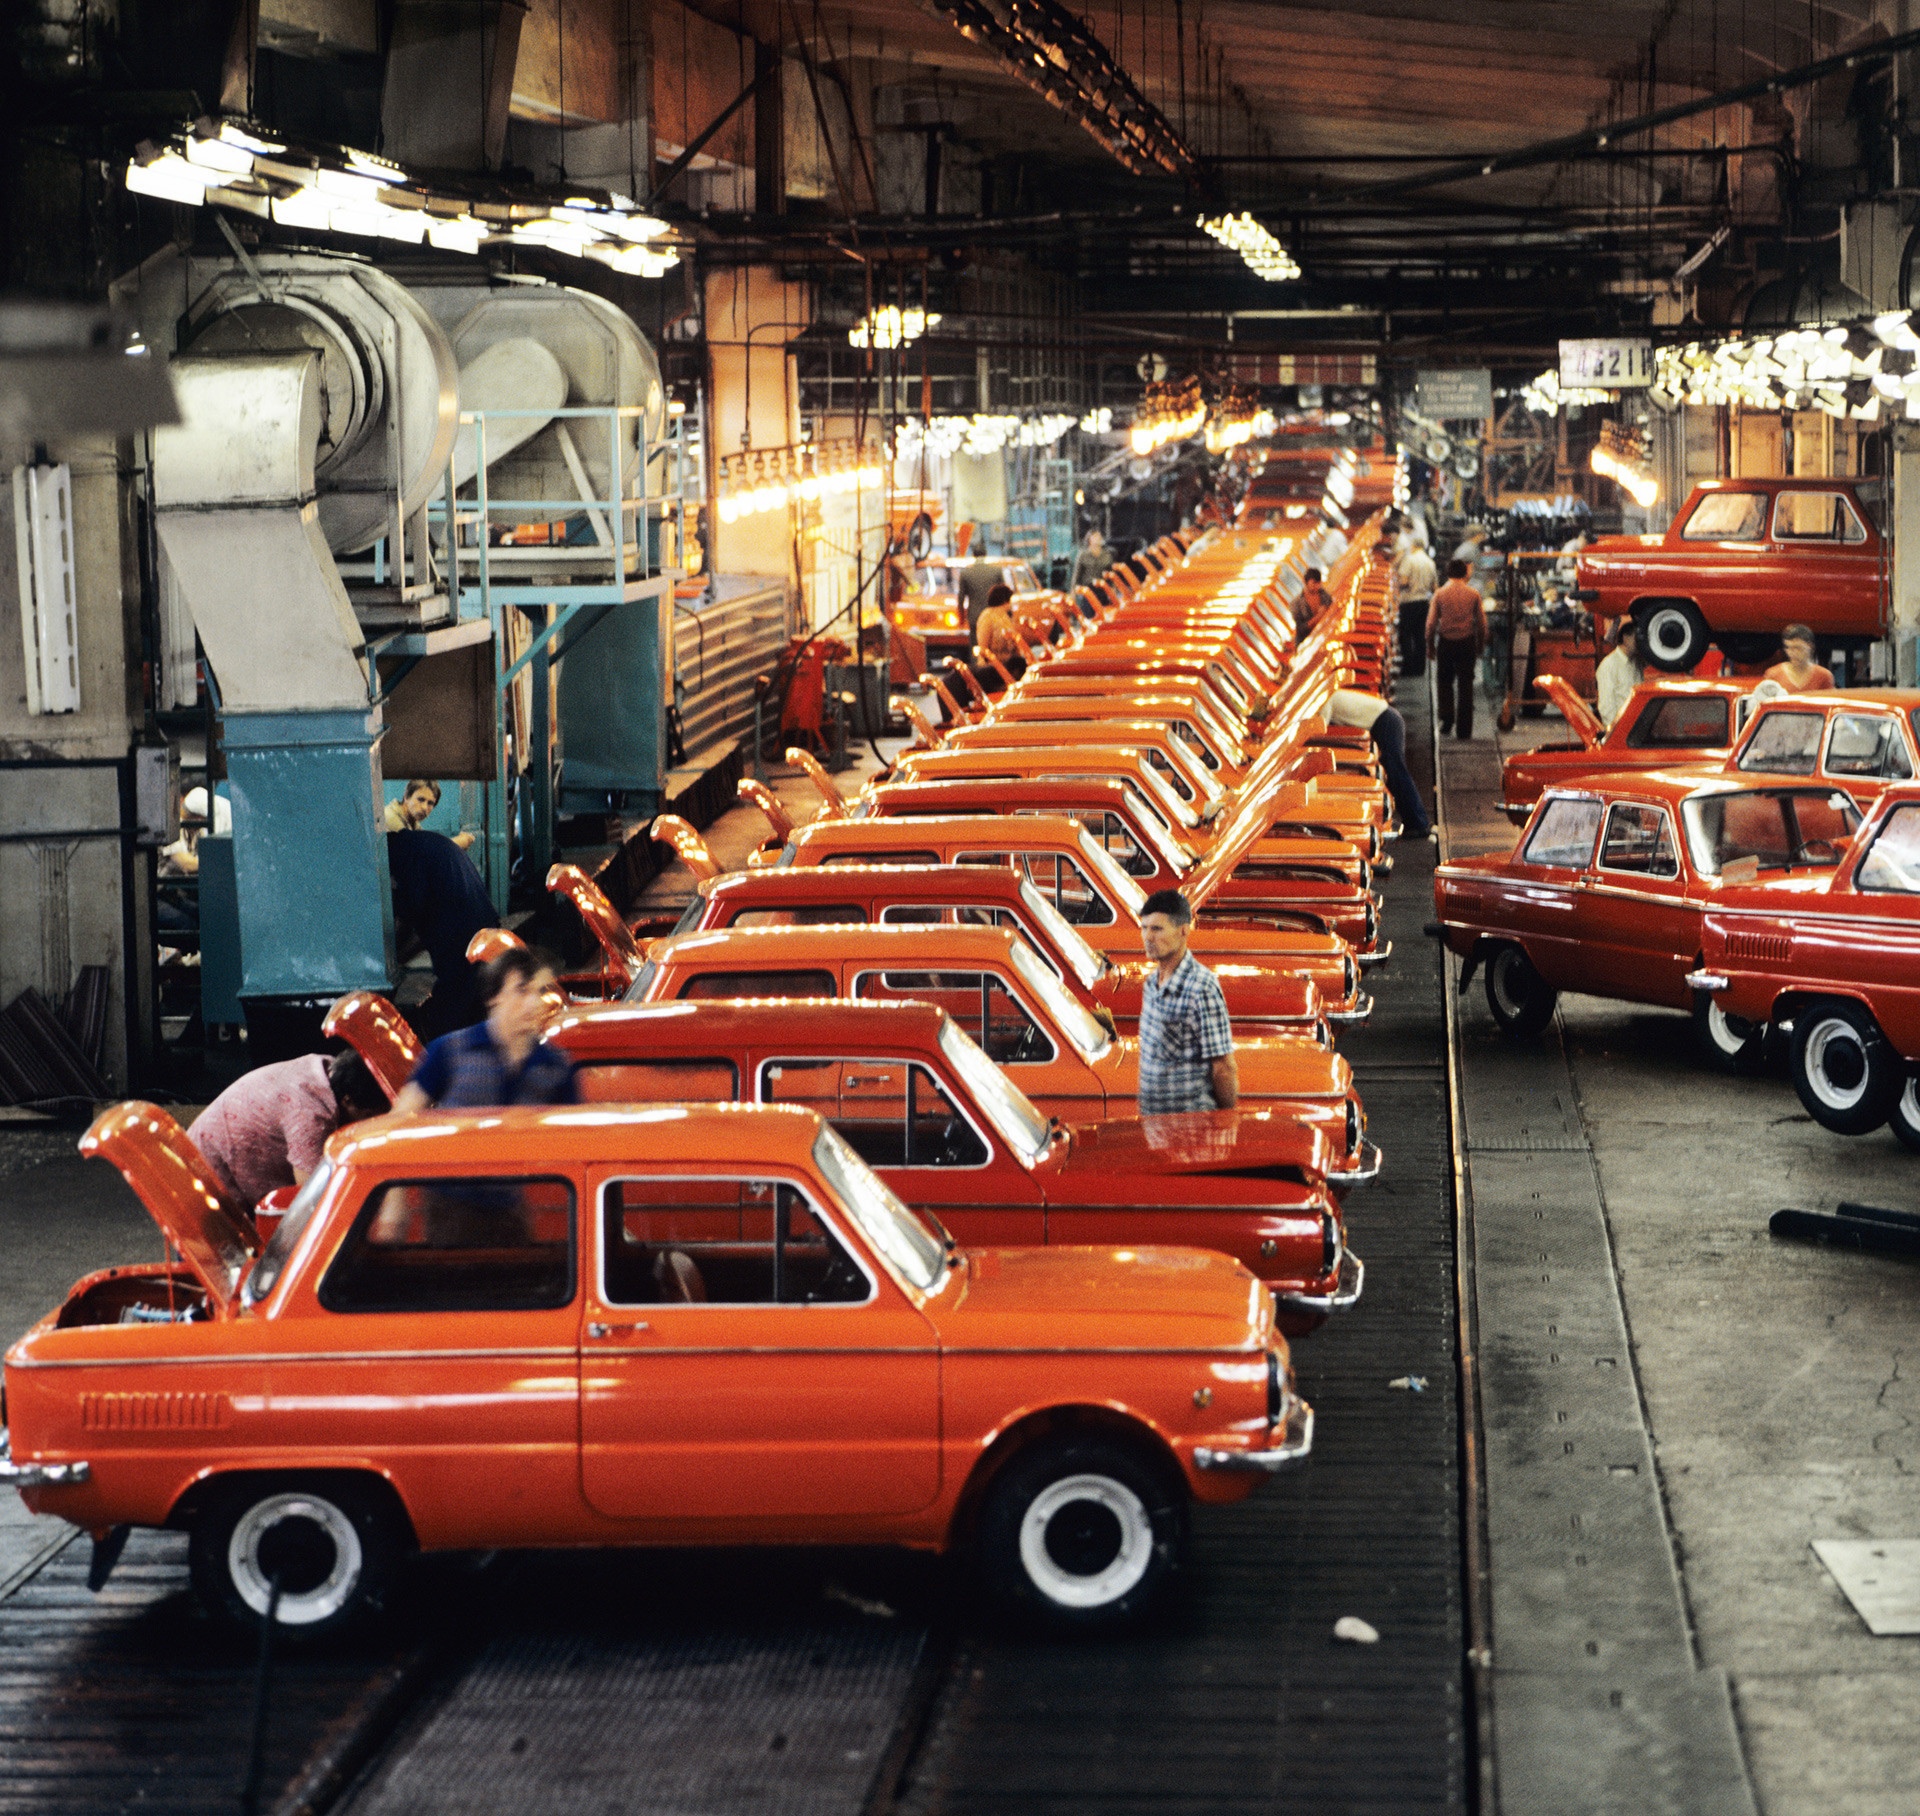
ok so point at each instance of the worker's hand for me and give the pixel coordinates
(464, 839)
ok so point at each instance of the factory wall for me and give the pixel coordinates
(65, 903)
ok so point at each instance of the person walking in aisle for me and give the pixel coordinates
(1417, 580)
(1456, 634)
(1186, 1039)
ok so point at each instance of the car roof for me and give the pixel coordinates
(1015, 788)
(1761, 483)
(789, 945)
(549, 1134)
(886, 833)
(1710, 684)
(1896, 699)
(1027, 756)
(1676, 785)
(827, 1020)
(827, 881)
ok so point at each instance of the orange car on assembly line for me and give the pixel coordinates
(955, 1136)
(689, 1325)
(999, 990)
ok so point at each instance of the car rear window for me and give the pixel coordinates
(1867, 744)
(1564, 834)
(1783, 744)
(1892, 866)
(1816, 517)
(710, 984)
(659, 1081)
(882, 857)
(825, 914)
(1727, 517)
(1682, 724)
(457, 1245)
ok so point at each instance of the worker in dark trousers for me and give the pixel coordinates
(1456, 634)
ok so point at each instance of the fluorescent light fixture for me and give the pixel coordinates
(1258, 249)
(891, 326)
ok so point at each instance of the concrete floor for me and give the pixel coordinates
(1778, 1381)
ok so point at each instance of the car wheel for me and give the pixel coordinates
(334, 1548)
(1846, 1074)
(1673, 634)
(1904, 1118)
(1730, 1042)
(1521, 999)
(1081, 1534)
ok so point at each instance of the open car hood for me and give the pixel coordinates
(1581, 719)
(379, 1033)
(1242, 1144)
(215, 1236)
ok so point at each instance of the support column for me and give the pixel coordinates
(1904, 523)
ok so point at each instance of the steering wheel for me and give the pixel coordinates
(1818, 851)
(955, 1148)
(920, 536)
(1024, 1050)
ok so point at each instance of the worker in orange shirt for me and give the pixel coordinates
(1799, 674)
(1456, 634)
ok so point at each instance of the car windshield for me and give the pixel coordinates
(1105, 870)
(1004, 1104)
(1078, 1023)
(905, 1241)
(1892, 867)
(279, 1250)
(1774, 828)
(1087, 964)
(1783, 744)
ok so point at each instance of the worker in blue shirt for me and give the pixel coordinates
(500, 1060)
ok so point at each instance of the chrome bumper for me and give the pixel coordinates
(1370, 1159)
(1346, 1291)
(37, 1475)
(1295, 1434)
(1710, 981)
(1378, 956)
(1362, 1008)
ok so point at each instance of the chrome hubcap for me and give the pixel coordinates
(1086, 1541)
(308, 1544)
(1836, 1065)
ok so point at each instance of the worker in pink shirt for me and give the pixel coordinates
(1456, 634)
(268, 1128)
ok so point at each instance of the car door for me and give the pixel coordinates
(1726, 566)
(744, 1358)
(1634, 918)
(1821, 545)
(913, 1130)
(1536, 897)
(452, 1327)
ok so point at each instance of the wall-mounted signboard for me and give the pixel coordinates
(1454, 396)
(1607, 365)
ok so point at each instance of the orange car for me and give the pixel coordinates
(998, 989)
(688, 1325)
(955, 1136)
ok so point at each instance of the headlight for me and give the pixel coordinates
(1351, 973)
(1373, 923)
(1329, 1240)
(1353, 1126)
(1276, 1389)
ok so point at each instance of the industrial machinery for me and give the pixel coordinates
(391, 508)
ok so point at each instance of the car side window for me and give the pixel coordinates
(710, 984)
(1067, 887)
(1120, 844)
(1892, 866)
(1564, 834)
(1727, 517)
(1638, 841)
(457, 1245)
(659, 1081)
(892, 1113)
(1686, 723)
(882, 857)
(1783, 744)
(1191, 738)
(1867, 744)
(704, 1241)
(1816, 517)
(977, 1000)
(811, 914)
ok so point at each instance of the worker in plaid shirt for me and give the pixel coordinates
(1186, 1040)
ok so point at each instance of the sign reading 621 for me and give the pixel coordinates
(1606, 365)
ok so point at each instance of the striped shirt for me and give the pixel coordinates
(1183, 1030)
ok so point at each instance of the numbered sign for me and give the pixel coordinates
(1607, 365)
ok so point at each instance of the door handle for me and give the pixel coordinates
(607, 1330)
